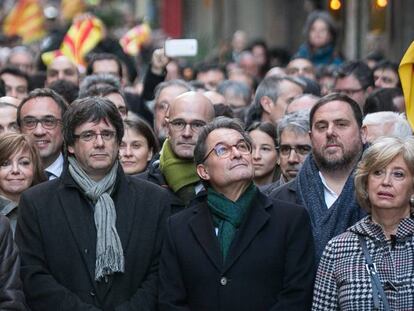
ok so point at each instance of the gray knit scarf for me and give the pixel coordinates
(109, 252)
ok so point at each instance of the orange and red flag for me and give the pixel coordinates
(26, 20)
(135, 38)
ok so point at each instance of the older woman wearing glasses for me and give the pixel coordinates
(234, 248)
(371, 265)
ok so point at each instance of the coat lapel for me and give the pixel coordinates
(255, 220)
(81, 223)
(203, 230)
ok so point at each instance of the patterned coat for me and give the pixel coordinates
(343, 283)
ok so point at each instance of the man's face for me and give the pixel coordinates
(385, 78)
(162, 104)
(291, 161)
(336, 138)
(49, 141)
(193, 111)
(231, 170)
(301, 67)
(288, 90)
(211, 78)
(15, 86)
(62, 69)
(108, 66)
(97, 156)
(119, 102)
(23, 61)
(8, 120)
(350, 86)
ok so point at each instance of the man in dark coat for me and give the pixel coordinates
(235, 249)
(325, 184)
(90, 240)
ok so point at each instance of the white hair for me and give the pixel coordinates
(401, 127)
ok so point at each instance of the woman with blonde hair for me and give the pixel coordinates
(371, 265)
(20, 168)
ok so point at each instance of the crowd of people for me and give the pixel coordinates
(241, 183)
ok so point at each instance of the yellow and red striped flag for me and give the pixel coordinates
(84, 34)
(406, 71)
(135, 38)
(26, 20)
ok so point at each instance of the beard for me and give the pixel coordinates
(341, 162)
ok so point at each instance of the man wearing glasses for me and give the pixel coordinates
(175, 169)
(40, 115)
(354, 79)
(234, 248)
(293, 146)
(90, 239)
(325, 184)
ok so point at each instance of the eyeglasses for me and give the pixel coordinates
(299, 149)
(48, 123)
(180, 124)
(89, 135)
(349, 92)
(223, 150)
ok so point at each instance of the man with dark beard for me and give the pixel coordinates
(325, 183)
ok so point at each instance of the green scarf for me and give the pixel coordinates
(178, 172)
(228, 215)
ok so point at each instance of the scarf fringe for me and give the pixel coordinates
(108, 263)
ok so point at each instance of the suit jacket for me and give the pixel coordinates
(57, 238)
(270, 264)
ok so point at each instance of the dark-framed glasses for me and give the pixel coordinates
(180, 124)
(302, 150)
(48, 123)
(90, 135)
(223, 150)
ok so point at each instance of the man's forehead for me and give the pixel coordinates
(91, 123)
(41, 106)
(224, 135)
(334, 110)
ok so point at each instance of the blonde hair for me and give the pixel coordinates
(382, 152)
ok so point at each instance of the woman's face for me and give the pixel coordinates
(16, 174)
(134, 152)
(391, 187)
(264, 154)
(319, 35)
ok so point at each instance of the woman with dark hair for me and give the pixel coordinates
(264, 154)
(321, 34)
(370, 266)
(20, 168)
(138, 145)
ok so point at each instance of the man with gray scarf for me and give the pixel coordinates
(90, 240)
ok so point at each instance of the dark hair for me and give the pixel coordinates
(265, 127)
(18, 73)
(382, 100)
(2, 88)
(386, 64)
(205, 67)
(91, 109)
(222, 110)
(359, 70)
(102, 56)
(45, 92)
(142, 127)
(356, 110)
(324, 16)
(98, 79)
(67, 89)
(220, 122)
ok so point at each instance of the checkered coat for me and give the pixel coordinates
(343, 283)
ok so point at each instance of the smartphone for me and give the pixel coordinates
(181, 47)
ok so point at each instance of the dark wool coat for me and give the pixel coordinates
(57, 238)
(270, 264)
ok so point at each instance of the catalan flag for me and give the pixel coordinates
(84, 34)
(135, 38)
(26, 20)
(406, 71)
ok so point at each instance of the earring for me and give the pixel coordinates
(412, 201)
